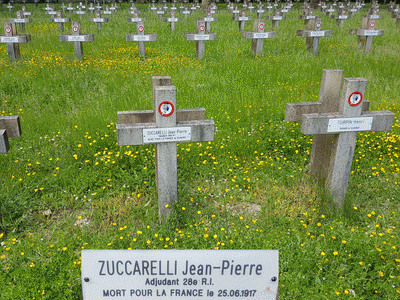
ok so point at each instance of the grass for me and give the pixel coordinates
(66, 185)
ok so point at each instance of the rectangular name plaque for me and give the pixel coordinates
(316, 33)
(275, 18)
(11, 39)
(141, 38)
(350, 124)
(203, 37)
(263, 35)
(75, 38)
(180, 274)
(174, 134)
(371, 32)
(60, 20)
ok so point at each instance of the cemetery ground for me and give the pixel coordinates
(66, 185)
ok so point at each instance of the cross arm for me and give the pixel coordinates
(12, 125)
(65, 37)
(313, 33)
(258, 35)
(132, 134)
(333, 122)
(200, 37)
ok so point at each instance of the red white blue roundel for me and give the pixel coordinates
(261, 26)
(372, 25)
(140, 28)
(7, 29)
(355, 98)
(166, 108)
(318, 25)
(202, 27)
(75, 29)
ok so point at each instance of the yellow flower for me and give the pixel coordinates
(361, 263)
(323, 253)
(335, 253)
(344, 242)
(355, 207)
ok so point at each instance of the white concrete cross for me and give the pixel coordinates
(258, 35)
(164, 126)
(366, 32)
(141, 38)
(332, 156)
(77, 38)
(12, 39)
(313, 33)
(172, 20)
(98, 20)
(200, 37)
(60, 20)
(9, 127)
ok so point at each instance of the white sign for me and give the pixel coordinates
(179, 274)
(374, 17)
(141, 38)
(275, 18)
(98, 20)
(350, 124)
(371, 32)
(263, 35)
(75, 38)
(208, 19)
(172, 20)
(9, 39)
(20, 21)
(59, 20)
(342, 17)
(316, 33)
(243, 18)
(203, 37)
(160, 135)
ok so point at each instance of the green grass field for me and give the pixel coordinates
(66, 185)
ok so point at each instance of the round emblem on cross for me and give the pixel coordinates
(311, 12)
(135, 15)
(97, 15)
(166, 108)
(355, 98)
(278, 13)
(208, 14)
(140, 28)
(318, 25)
(202, 28)
(7, 29)
(18, 14)
(243, 13)
(75, 28)
(261, 26)
(59, 14)
(172, 14)
(372, 24)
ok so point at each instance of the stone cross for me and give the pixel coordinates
(12, 39)
(60, 20)
(91, 8)
(250, 7)
(258, 35)
(98, 19)
(107, 11)
(260, 11)
(340, 17)
(276, 17)
(164, 126)
(366, 33)
(235, 11)
(313, 33)
(284, 10)
(200, 37)
(352, 10)
(77, 38)
(51, 11)
(20, 20)
(159, 12)
(135, 19)
(25, 13)
(70, 8)
(329, 11)
(9, 127)
(172, 20)
(9, 6)
(308, 14)
(208, 19)
(141, 38)
(186, 12)
(242, 18)
(80, 12)
(334, 123)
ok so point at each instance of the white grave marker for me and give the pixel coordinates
(141, 38)
(200, 37)
(77, 38)
(12, 39)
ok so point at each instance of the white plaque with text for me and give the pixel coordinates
(180, 274)
(317, 33)
(75, 38)
(141, 38)
(202, 37)
(9, 39)
(160, 135)
(350, 124)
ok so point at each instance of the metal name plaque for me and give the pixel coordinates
(317, 33)
(371, 32)
(11, 39)
(75, 38)
(141, 38)
(98, 20)
(374, 17)
(204, 37)
(21, 21)
(60, 20)
(350, 124)
(179, 274)
(261, 35)
(342, 17)
(243, 18)
(208, 19)
(274, 18)
(160, 135)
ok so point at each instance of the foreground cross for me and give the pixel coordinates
(12, 39)
(164, 126)
(347, 116)
(9, 127)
